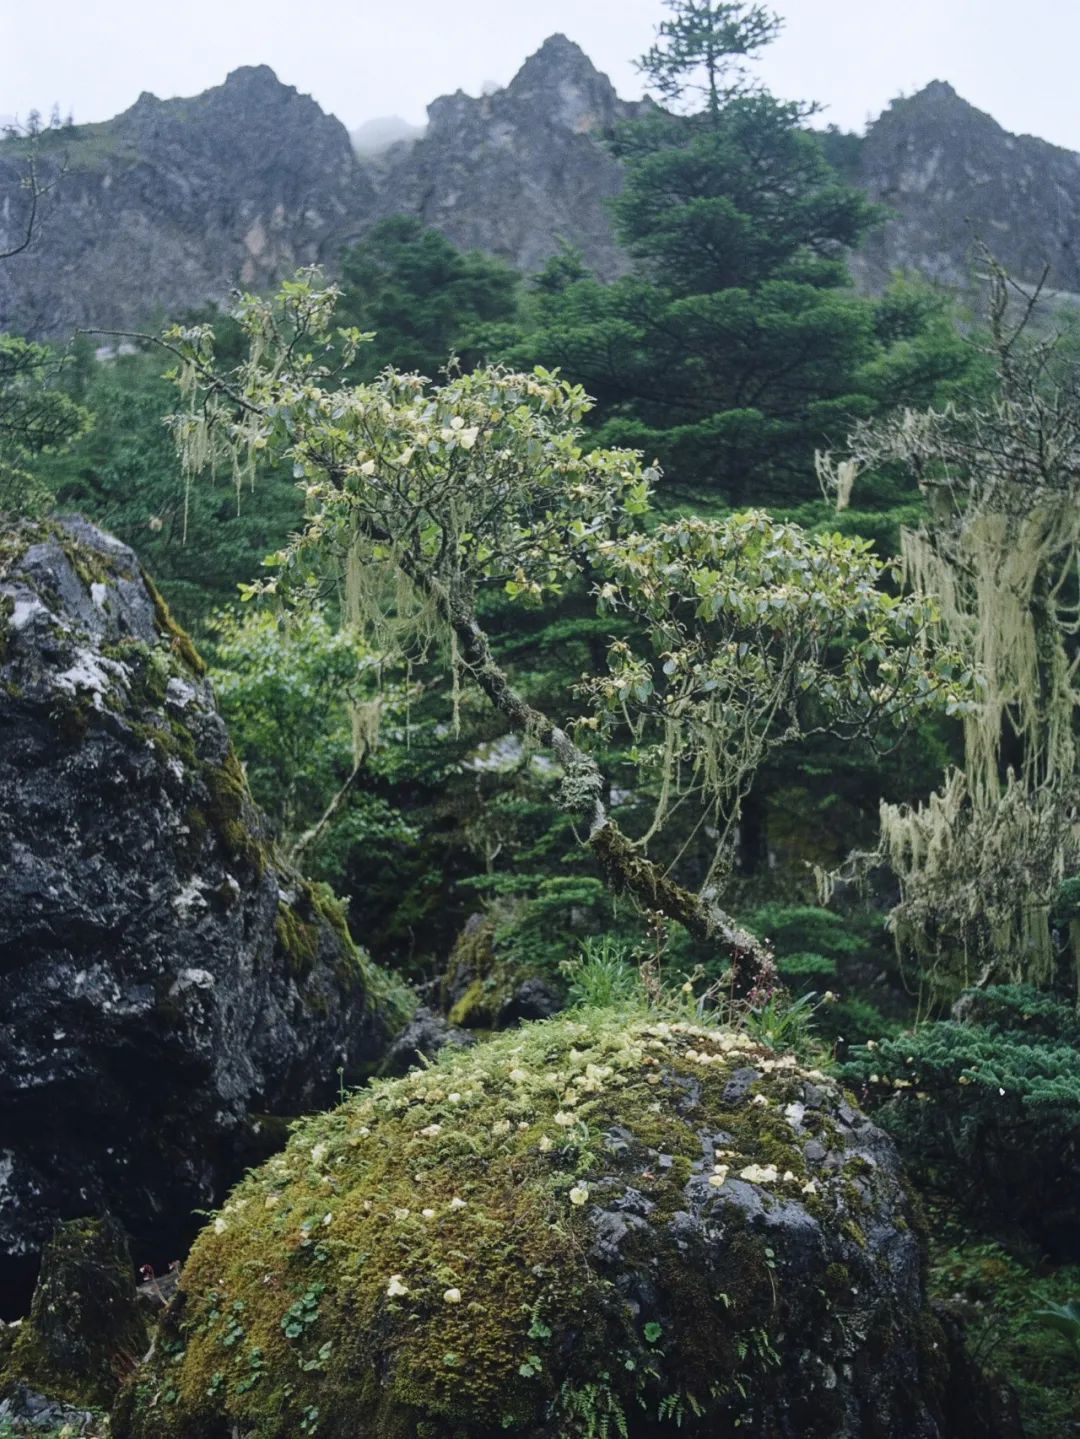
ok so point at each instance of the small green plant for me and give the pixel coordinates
(786, 1023)
(1065, 1318)
(593, 1411)
(303, 1313)
(602, 976)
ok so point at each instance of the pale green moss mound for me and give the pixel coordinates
(603, 1224)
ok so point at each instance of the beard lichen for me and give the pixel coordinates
(980, 862)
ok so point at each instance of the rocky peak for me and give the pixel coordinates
(562, 80)
(255, 79)
(251, 103)
(952, 177)
(516, 171)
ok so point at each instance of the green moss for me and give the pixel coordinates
(416, 1261)
(471, 1009)
(7, 609)
(179, 639)
(479, 983)
(84, 1332)
(71, 718)
(383, 990)
(230, 813)
(298, 940)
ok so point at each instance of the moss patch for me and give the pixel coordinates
(418, 1261)
(478, 987)
(179, 639)
(84, 1333)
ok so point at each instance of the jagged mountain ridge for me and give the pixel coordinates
(952, 177)
(175, 202)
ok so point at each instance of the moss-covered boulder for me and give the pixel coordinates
(603, 1224)
(85, 1332)
(482, 990)
(164, 977)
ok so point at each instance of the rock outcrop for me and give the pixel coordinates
(952, 177)
(175, 202)
(516, 172)
(85, 1333)
(166, 984)
(605, 1223)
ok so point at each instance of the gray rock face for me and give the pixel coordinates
(515, 172)
(175, 202)
(27, 1413)
(421, 1040)
(163, 978)
(952, 176)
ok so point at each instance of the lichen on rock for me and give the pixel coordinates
(163, 973)
(605, 1223)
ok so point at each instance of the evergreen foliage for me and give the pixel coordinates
(987, 1108)
(423, 300)
(36, 419)
(738, 346)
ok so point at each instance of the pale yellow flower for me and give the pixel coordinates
(759, 1173)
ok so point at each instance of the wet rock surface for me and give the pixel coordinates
(425, 1035)
(26, 1413)
(162, 975)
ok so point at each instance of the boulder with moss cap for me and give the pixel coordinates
(162, 974)
(606, 1223)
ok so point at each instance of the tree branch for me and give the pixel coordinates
(624, 868)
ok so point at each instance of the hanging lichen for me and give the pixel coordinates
(980, 863)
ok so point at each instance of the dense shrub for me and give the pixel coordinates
(986, 1106)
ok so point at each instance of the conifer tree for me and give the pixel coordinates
(737, 347)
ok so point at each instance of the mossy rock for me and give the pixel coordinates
(481, 990)
(85, 1331)
(164, 971)
(607, 1223)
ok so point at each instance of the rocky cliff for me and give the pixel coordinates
(174, 202)
(515, 172)
(951, 177)
(166, 983)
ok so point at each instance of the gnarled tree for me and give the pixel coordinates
(743, 633)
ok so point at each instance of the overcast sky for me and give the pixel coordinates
(362, 59)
